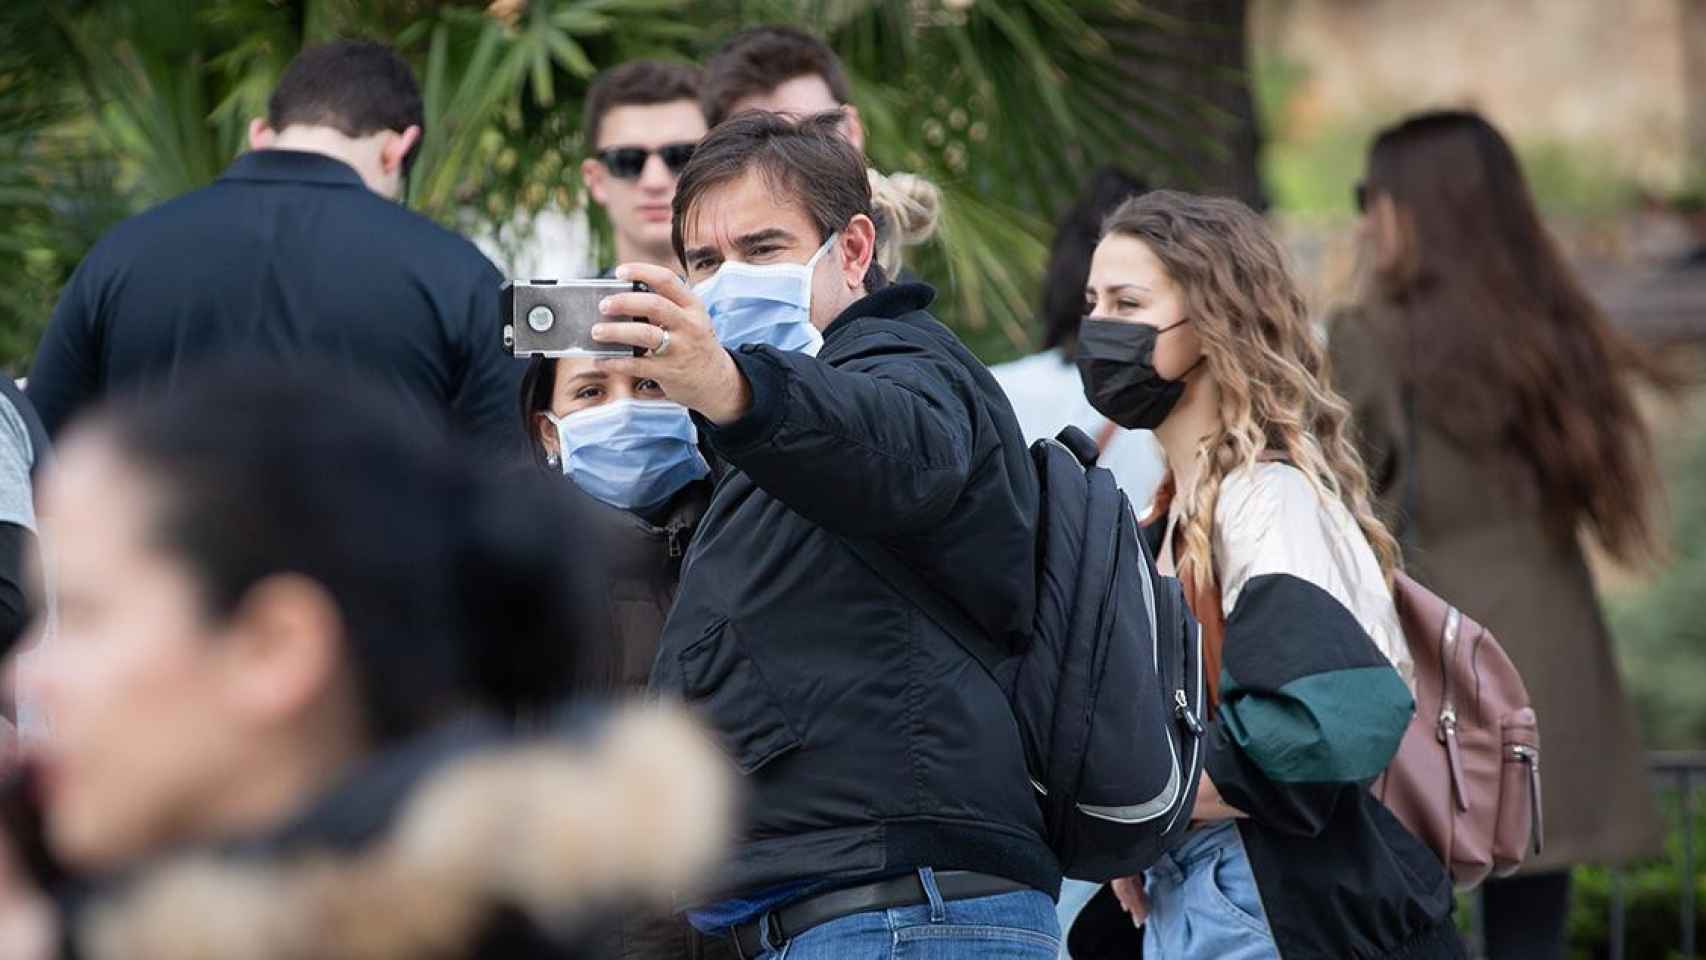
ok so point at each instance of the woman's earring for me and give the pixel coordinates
(552, 459)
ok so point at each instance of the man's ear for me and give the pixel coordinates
(853, 128)
(855, 250)
(592, 174)
(261, 136)
(284, 647)
(396, 149)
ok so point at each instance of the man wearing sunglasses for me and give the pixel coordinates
(642, 123)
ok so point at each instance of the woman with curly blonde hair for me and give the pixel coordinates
(1196, 331)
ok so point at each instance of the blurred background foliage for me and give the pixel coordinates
(110, 106)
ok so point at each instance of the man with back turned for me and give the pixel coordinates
(298, 252)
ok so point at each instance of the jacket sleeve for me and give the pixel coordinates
(877, 445)
(486, 403)
(66, 375)
(1310, 706)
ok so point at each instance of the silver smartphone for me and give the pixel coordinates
(554, 318)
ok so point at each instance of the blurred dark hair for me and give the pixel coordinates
(806, 162)
(537, 385)
(1506, 351)
(757, 61)
(356, 87)
(453, 586)
(638, 83)
(1075, 239)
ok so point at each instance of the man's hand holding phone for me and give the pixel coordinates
(681, 351)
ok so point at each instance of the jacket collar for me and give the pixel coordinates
(293, 166)
(894, 300)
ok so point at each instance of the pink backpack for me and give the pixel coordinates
(1466, 779)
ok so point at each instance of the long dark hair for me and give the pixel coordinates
(453, 585)
(1505, 350)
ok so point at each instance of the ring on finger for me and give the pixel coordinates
(663, 345)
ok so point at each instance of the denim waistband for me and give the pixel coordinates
(1199, 844)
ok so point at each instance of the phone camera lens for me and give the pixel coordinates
(540, 318)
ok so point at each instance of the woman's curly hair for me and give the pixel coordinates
(1258, 344)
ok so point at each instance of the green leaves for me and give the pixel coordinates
(1005, 104)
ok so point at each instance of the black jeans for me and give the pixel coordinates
(1525, 916)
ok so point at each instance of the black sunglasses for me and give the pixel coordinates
(629, 162)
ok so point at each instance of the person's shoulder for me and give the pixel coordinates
(1045, 364)
(15, 411)
(164, 227)
(422, 236)
(1358, 333)
(1255, 500)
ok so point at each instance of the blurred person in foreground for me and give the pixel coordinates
(1495, 411)
(786, 70)
(1044, 387)
(299, 253)
(889, 798)
(270, 689)
(1195, 329)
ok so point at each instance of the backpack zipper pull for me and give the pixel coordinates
(1182, 710)
(674, 533)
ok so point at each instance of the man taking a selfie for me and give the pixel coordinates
(887, 780)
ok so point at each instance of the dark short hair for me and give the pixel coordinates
(1075, 239)
(808, 162)
(759, 60)
(638, 83)
(356, 87)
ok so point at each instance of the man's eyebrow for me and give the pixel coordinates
(757, 237)
(698, 253)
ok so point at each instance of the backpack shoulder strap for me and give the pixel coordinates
(946, 614)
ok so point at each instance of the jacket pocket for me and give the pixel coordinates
(1518, 831)
(722, 681)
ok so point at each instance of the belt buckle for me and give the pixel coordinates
(768, 924)
(778, 941)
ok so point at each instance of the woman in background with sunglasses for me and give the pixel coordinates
(1495, 412)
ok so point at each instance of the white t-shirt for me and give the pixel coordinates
(1047, 395)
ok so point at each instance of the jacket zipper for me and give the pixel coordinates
(1192, 723)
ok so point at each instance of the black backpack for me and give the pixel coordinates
(1109, 694)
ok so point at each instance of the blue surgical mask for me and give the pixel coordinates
(765, 303)
(631, 454)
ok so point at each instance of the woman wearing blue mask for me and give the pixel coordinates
(637, 453)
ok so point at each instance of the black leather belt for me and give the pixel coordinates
(794, 919)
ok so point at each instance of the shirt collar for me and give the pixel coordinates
(293, 166)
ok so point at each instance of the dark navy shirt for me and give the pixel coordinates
(288, 257)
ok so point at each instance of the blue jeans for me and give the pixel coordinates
(1203, 901)
(1007, 926)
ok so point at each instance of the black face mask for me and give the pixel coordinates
(1116, 361)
